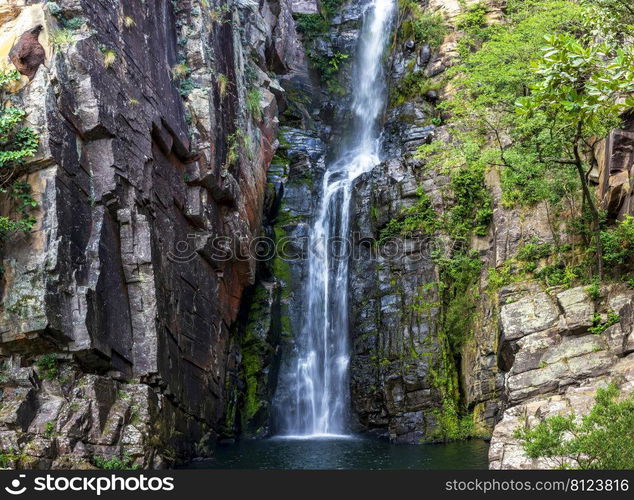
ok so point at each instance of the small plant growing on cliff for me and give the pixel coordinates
(253, 104)
(49, 429)
(421, 26)
(220, 14)
(128, 22)
(223, 85)
(594, 291)
(115, 463)
(180, 71)
(599, 440)
(61, 37)
(8, 458)
(109, 57)
(600, 326)
(618, 243)
(48, 366)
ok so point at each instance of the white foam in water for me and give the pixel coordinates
(325, 437)
(319, 378)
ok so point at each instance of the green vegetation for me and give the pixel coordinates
(328, 68)
(223, 84)
(582, 89)
(109, 57)
(598, 441)
(599, 325)
(618, 243)
(253, 104)
(48, 367)
(8, 457)
(17, 143)
(534, 124)
(61, 37)
(419, 25)
(313, 26)
(418, 219)
(458, 288)
(538, 123)
(115, 463)
(220, 14)
(254, 350)
(49, 429)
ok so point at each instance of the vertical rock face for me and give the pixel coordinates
(157, 124)
(394, 308)
(554, 361)
(136, 323)
(531, 351)
(394, 297)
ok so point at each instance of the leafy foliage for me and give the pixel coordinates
(419, 25)
(48, 366)
(253, 104)
(115, 463)
(17, 143)
(600, 440)
(618, 243)
(583, 88)
(418, 219)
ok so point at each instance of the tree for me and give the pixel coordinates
(600, 440)
(611, 19)
(583, 89)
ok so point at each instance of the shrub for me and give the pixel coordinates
(311, 25)
(253, 104)
(115, 463)
(421, 26)
(48, 366)
(599, 440)
(17, 143)
(618, 243)
(415, 220)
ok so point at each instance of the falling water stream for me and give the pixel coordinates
(312, 408)
(320, 384)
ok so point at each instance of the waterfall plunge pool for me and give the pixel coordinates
(346, 452)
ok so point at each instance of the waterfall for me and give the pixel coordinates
(320, 382)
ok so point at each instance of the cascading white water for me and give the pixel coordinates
(320, 383)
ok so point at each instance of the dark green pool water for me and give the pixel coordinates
(354, 453)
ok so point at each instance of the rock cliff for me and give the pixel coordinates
(141, 321)
(157, 122)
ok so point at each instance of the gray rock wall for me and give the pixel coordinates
(151, 145)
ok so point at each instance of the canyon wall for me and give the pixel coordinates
(136, 322)
(157, 122)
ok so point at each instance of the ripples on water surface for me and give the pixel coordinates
(348, 453)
